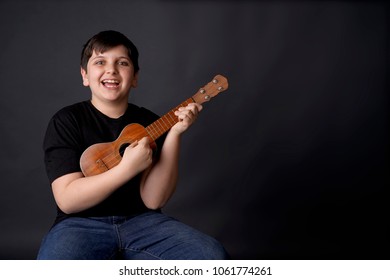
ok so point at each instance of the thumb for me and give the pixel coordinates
(135, 143)
(144, 141)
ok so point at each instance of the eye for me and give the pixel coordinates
(99, 62)
(123, 63)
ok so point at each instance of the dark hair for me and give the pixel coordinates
(106, 40)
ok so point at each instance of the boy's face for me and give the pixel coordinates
(110, 75)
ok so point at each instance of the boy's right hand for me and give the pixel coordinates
(137, 156)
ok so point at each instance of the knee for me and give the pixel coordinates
(214, 250)
(204, 247)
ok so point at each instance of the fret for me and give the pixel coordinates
(150, 132)
(161, 124)
(153, 125)
(155, 133)
(167, 125)
(174, 121)
(101, 157)
(159, 127)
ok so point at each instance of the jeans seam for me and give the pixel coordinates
(143, 251)
(118, 237)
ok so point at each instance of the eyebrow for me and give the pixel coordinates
(120, 57)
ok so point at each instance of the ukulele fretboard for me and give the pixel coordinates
(165, 123)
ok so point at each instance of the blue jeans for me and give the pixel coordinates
(149, 236)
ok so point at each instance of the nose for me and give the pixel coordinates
(111, 68)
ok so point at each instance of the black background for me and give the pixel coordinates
(292, 162)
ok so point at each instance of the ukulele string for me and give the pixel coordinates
(114, 158)
(117, 156)
(158, 132)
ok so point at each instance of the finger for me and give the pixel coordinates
(199, 106)
(183, 115)
(192, 110)
(144, 140)
(179, 112)
(132, 145)
(195, 107)
(187, 115)
(186, 110)
(145, 143)
(187, 119)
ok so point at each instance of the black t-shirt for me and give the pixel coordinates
(73, 129)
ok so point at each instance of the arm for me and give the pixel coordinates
(159, 182)
(73, 192)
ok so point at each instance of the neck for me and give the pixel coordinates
(113, 110)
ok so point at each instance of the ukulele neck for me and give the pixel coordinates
(165, 123)
(204, 94)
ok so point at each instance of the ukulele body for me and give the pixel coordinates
(101, 157)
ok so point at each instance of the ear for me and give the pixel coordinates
(84, 76)
(134, 82)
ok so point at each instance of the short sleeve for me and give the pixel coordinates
(61, 146)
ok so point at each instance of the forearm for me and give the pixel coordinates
(160, 183)
(74, 192)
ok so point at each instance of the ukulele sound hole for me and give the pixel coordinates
(122, 148)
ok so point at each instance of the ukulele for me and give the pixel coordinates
(101, 157)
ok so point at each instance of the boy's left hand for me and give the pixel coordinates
(187, 116)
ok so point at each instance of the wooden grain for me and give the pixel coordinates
(101, 157)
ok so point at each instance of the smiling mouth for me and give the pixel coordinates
(110, 83)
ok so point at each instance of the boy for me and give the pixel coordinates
(116, 214)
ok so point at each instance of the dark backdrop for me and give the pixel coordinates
(292, 162)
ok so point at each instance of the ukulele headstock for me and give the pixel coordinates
(217, 85)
